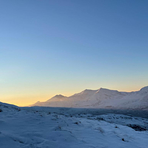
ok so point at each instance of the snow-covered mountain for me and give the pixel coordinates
(101, 98)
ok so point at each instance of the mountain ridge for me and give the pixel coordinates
(100, 98)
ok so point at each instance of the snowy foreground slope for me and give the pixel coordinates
(44, 127)
(101, 98)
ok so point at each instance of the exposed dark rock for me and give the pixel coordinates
(76, 123)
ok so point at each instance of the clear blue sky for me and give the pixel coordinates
(49, 47)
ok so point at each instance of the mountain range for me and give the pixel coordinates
(101, 98)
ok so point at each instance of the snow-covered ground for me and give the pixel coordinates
(39, 127)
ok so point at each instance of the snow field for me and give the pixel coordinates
(32, 128)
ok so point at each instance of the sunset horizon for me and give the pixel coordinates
(73, 73)
(64, 47)
(23, 100)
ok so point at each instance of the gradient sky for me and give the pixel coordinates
(50, 47)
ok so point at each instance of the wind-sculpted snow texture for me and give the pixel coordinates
(44, 127)
(102, 98)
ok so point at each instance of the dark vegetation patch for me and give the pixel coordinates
(5, 106)
(137, 127)
(99, 118)
(1, 110)
(18, 109)
(18, 141)
(76, 123)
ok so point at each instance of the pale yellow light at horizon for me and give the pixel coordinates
(27, 100)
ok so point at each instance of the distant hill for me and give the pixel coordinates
(101, 98)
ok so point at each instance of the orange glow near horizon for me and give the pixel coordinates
(46, 50)
(27, 100)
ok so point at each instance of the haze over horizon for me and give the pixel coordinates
(63, 47)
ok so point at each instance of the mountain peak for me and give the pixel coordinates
(86, 90)
(103, 88)
(58, 96)
(106, 91)
(145, 89)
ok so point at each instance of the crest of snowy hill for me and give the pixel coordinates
(4, 107)
(101, 98)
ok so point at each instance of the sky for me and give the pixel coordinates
(50, 47)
